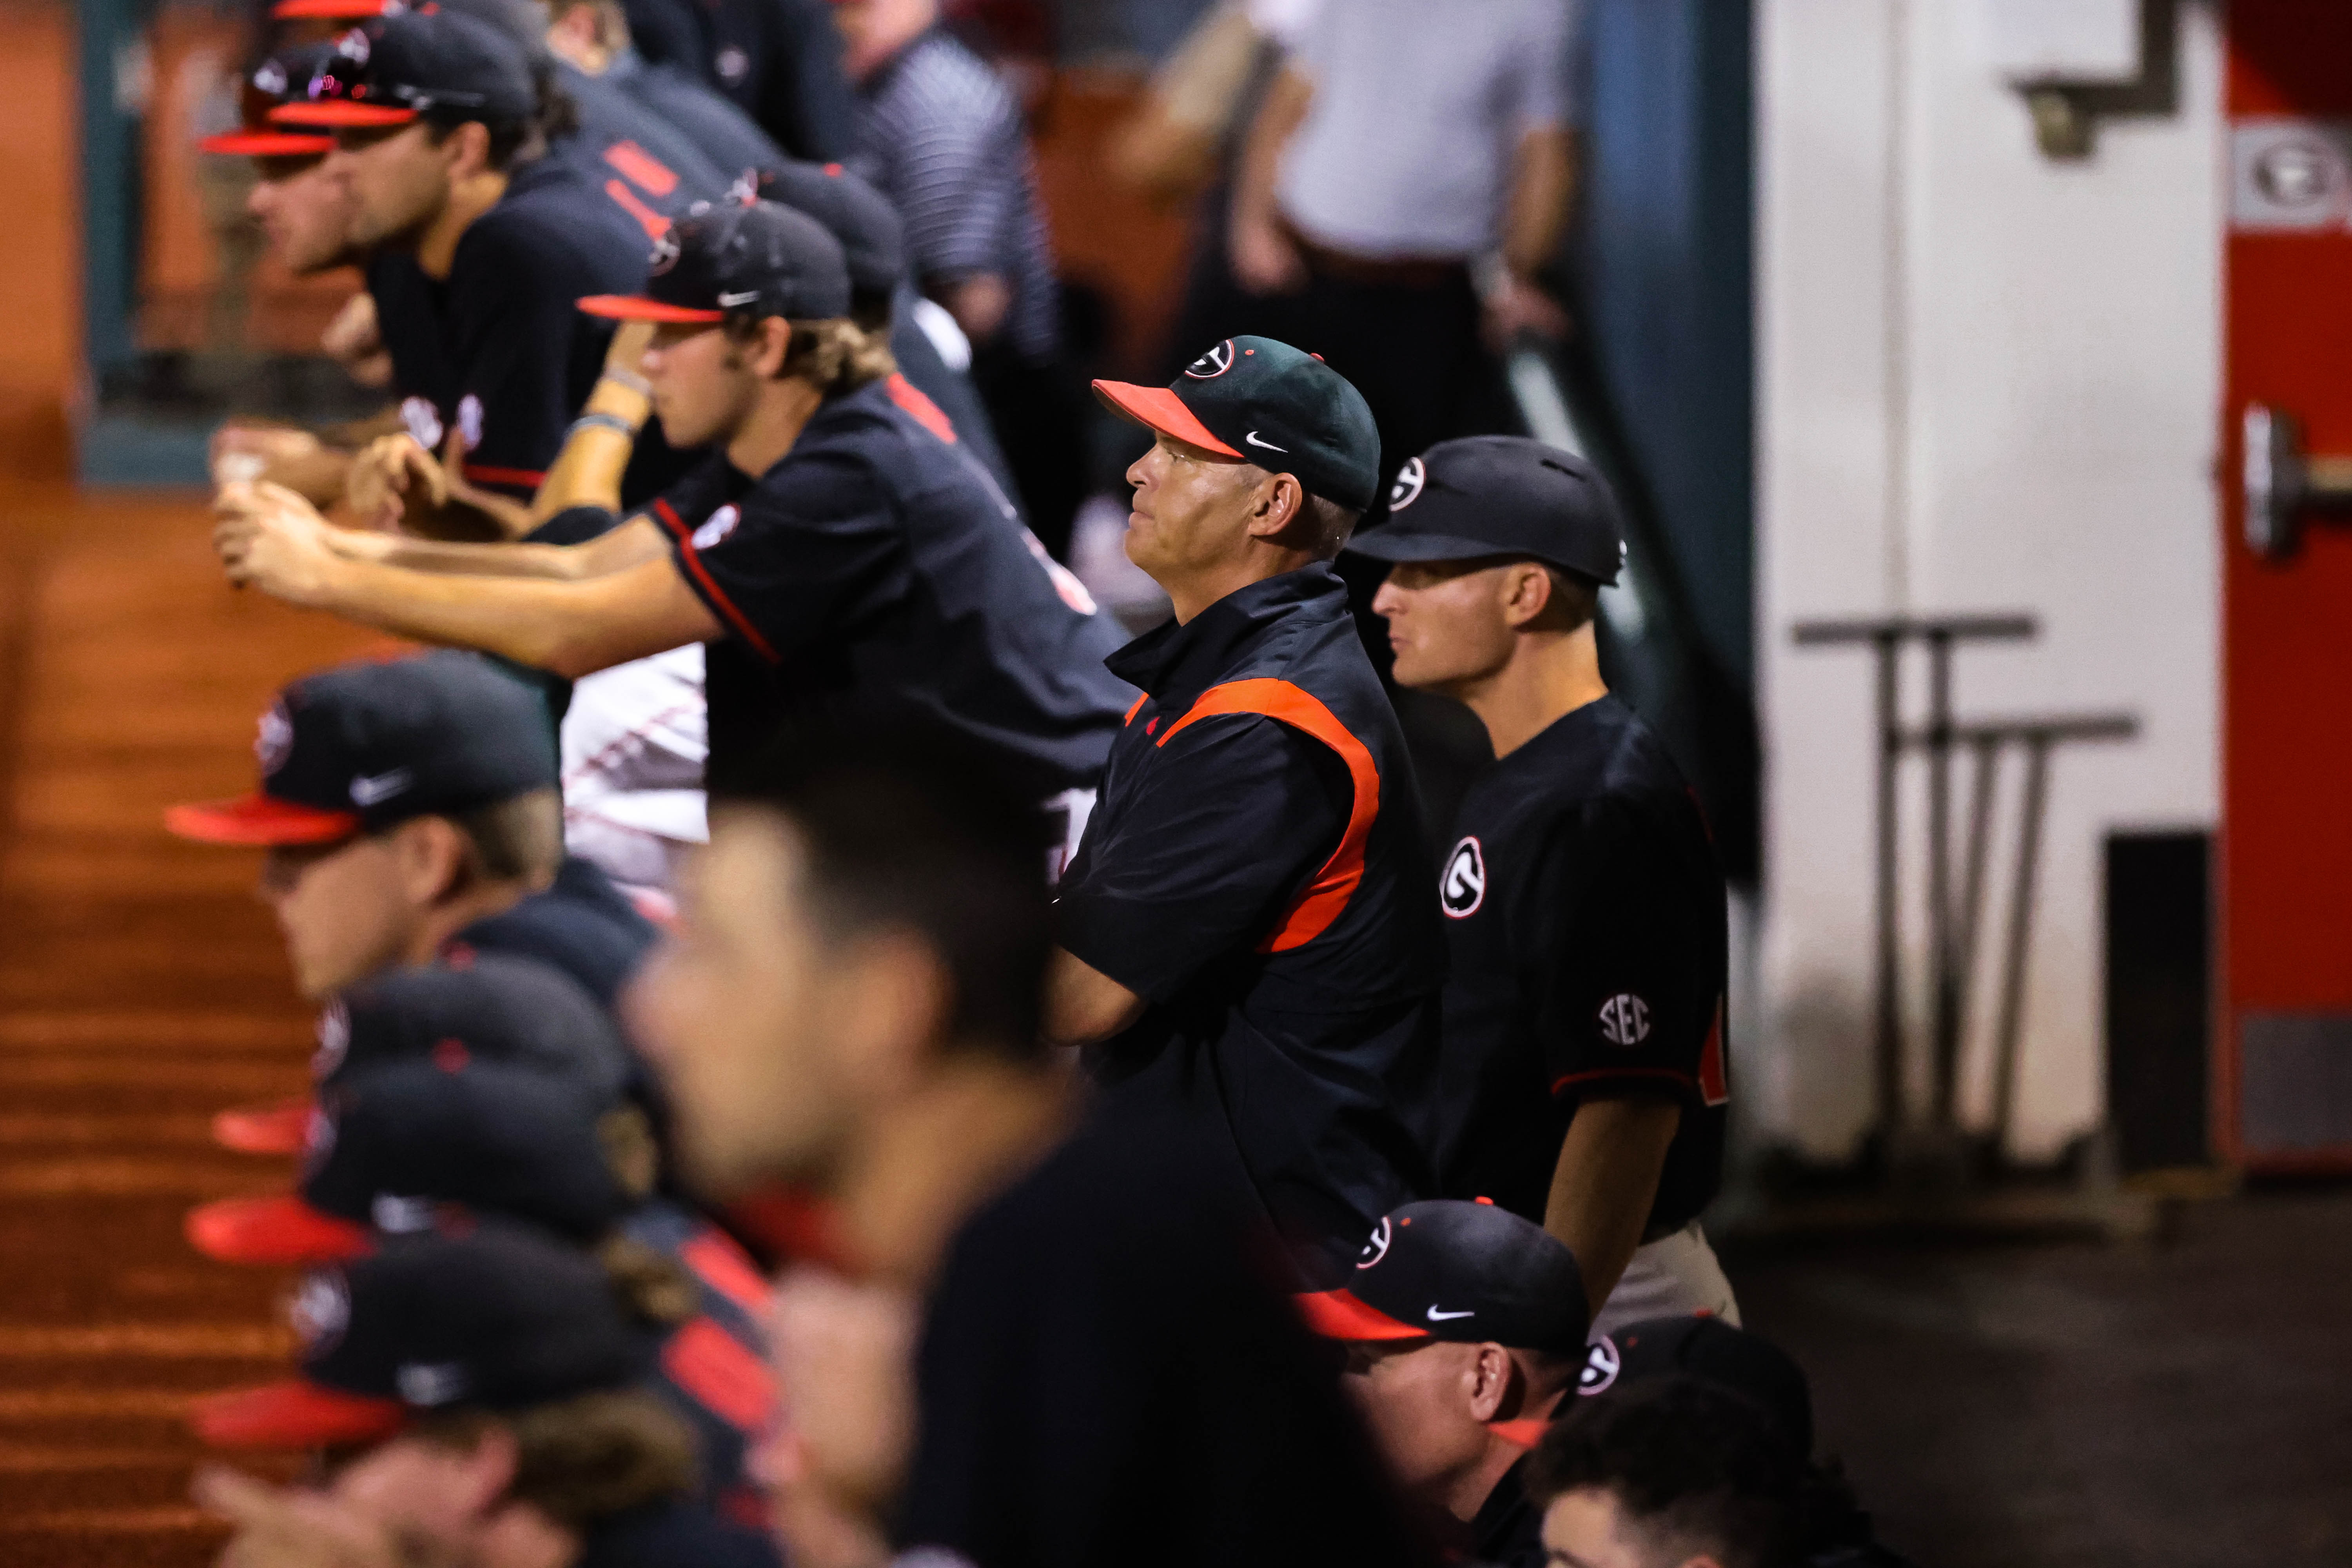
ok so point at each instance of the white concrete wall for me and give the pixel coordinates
(1986, 380)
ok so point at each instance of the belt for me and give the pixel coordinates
(1400, 272)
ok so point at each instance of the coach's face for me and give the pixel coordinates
(304, 211)
(1450, 622)
(399, 179)
(1191, 510)
(775, 1028)
(704, 383)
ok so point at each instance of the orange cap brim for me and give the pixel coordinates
(1157, 408)
(1524, 1432)
(268, 144)
(257, 820)
(282, 1128)
(339, 111)
(637, 308)
(279, 1230)
(1337, 1315)
(328, 10)
(297, 1414)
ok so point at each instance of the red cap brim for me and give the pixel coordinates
(268, 144)
(298, 1413)
(259, 820)
(282, 1129)
(637, 308)
(1337, 1315)
(281, 1230)
(339, 111)
(1157, 408)
(328, 10)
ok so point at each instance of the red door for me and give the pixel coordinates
(2282, 1096)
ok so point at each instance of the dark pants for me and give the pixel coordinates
(1040, 418)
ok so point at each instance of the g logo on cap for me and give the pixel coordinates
(321, 1311)
(274, 741)
(666, 251)
(1407, 488)
(1213, 363)
(1601, 1362)
(1377, 1246)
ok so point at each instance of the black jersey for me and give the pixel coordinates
(1254, 871)
(721, 131)
(498, 351)
(1585, 912)
(777, 60)
(580, 923)
(1105, 1375)
(877, 567)
(645, 165)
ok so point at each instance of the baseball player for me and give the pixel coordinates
(402, 1147)
(1584, 1078)
(477, 1391)
(832, 550)
(1242, 937)
(409, 810)
(1102, 1374)
(479, 242)
(1465, 1327)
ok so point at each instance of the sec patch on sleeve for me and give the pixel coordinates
(1626, 1020)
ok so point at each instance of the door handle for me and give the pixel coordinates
(2283, 481)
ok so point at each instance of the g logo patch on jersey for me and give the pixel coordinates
(732, 64)
(1601, 1362)
(1407, 488)
(274, 741)
(1377, 1246)
(469, 421)
(1462, 887)
(1215, 363)
(422, 422)
(715, 527)
(1626, 1020)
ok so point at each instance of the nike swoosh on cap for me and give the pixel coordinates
(1250, 439)
(369, 789)
(1437, 1317)
(729, 301)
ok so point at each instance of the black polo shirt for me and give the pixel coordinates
(877, 567)
(1584, 911)
(498, 349)
(1508, 1531)
(1253, 869)
(667, 1534)
(1107, 1373)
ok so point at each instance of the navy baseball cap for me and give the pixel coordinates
(490, 1007)
(737, 258)
(269, 86)
(1468, 1272)
(873, 240)
(418, 64)
(500, 1318)
(1704, 1346)
(423, 1145)
(1500, 495)
(1269, 403)
(363, 747)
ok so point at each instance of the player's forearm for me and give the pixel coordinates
(554, 563)
(531, 621)
(1543, 188)
(1606, 1180)
(588, 472)
(1261, 160)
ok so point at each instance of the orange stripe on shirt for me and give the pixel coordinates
(1311, 913)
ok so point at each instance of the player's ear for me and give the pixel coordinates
(467, 148)
(775, 343)
(1526, 590)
